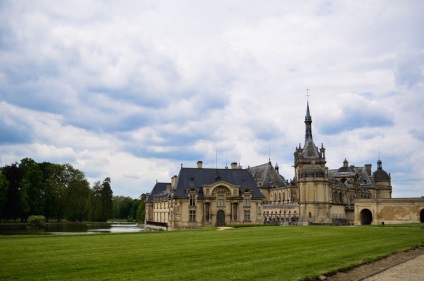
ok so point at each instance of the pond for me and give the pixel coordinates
(67, 228)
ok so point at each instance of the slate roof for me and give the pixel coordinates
(310, 151)
(158, 189)
(351, 171)
(364, 178)
(198, 177)
(266, 176)
(380, 175)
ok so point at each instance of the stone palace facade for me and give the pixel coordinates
(260, 195)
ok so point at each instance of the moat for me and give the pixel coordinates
(7, 229)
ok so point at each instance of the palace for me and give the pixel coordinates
(260, 195)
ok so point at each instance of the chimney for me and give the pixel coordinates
(173, 181)
(234, 165)
(368, 169)
(199, 164)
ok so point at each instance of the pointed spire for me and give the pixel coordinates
(308, 114)
(308, 124)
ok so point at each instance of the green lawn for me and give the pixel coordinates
(250, 253)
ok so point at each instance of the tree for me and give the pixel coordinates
(11, 209)
(95, 212)
(51, 189)
(141, 211)
(31, 188)
(101, 201)
(122, 207)
(106, 195)
(76, 198)
(73, 191)
(4, 185)
(134, 209)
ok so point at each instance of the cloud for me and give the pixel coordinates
(353, 112)
(409, 70)
(14, 127)
(134, 89)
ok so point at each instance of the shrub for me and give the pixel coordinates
(36, 221)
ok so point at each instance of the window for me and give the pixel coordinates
(207, 212)
(246, 201)
(192, 216)
(192, 200)
(246, 215)
(220, 201)
(235, 212)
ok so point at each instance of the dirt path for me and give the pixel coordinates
(401, 266)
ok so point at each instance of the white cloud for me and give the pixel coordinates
(131, 90)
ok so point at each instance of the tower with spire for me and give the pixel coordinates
(312, 178)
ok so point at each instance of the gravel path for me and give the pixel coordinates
(406, 265)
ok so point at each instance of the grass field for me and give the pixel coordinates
(250, 253)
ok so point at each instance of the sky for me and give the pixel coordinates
(132, 90)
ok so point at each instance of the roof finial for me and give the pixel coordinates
(307, 95)
(216, 158)
(269, 153)
(226, 162)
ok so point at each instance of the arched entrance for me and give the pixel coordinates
(422, 215)
(220, 218)
(366, 216)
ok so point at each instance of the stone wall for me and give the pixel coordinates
(389, 211)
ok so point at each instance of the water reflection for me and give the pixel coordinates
(119, 228)
(67, 228)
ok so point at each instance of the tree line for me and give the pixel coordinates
(60, 192)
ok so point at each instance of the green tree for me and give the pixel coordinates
(122, 206)
(141, 211)
(134, 209)
(73, 191)
(51, 189)
(31, 188)
(11, 209)
(106, 195)
(24, 204)
(4, 185)
(95, 212)
(77, 200)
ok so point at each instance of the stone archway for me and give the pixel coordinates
(422, 215)
(366, 216)
(220, 218)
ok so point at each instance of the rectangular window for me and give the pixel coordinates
(246, 201)
(246, 215)
(234, 212)
(192, 200)
(192, 216)
(220, 201)
(207, 212)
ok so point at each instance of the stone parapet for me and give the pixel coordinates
(280, 205)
